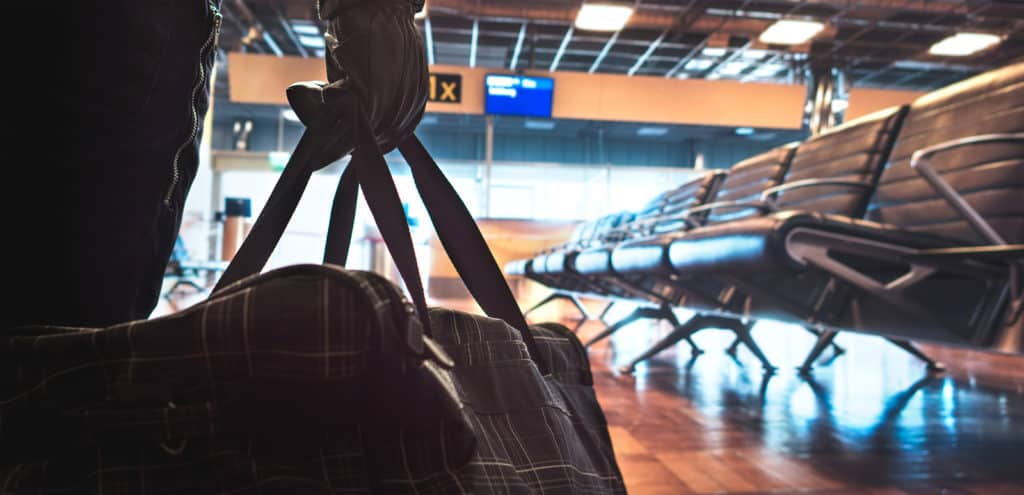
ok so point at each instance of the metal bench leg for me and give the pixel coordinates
(743, 335)
(678, 333)
(674, 320)
(561, 295)
(836, 348)
(551, 297)
(824, 340)
(733, 347)
(933, 366)
(604, 312)
(584, 315)
(637, 314)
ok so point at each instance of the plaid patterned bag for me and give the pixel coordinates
(277, 384)
(314, 379)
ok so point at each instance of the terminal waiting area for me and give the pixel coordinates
(518, 247)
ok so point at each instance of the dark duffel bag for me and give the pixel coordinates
(314, 379)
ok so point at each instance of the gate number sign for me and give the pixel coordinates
(445, 88)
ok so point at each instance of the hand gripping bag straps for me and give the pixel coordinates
(455, 226)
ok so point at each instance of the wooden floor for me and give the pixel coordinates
(869, 421)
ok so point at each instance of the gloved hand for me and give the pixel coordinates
(376, 59)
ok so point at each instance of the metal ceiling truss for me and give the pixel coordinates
(877, 42)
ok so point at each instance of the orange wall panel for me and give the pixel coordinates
(864, 101)
(263, 79)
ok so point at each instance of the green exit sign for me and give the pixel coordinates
(278, 160)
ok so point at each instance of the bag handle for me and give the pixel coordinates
(462, 240)
(252, 256)
(368, 170)
(458, 232)
(374, 177)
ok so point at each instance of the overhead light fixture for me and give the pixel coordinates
(312, 41)
(791, 32)
(603, 16)
(744, 131)
(698, 64)
(734, 68)
(768, 70)
(652, 131)
(964, 44)
(539, 125)
(753, 54)
(307, 29)
(713, 52)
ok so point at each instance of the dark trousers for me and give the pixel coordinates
(119, 106)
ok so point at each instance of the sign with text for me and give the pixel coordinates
(445, 88)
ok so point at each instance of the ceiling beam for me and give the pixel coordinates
(428, 35)
(686, 58)
(519, 47)
(604, 52)
(473, 42)
(561, 49)
(287, 27)
(643, 58)
(269, 40)
(737, 53)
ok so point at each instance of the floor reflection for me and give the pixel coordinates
(871, 416)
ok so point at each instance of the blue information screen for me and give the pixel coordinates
(519, 95)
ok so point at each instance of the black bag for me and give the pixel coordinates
(314, 379)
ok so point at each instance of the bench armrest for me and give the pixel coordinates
(919, 162)
(803, 184)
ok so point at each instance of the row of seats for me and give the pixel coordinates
(907, 223)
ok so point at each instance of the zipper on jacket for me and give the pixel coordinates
(209, 44)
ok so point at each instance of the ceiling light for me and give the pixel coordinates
(754, 54)
(603, 16)
(713, 52)
(307, 29)
(698, 64)
(734, 68)
(964, 44)
(744, 131)
(539, 125)
(312, 41)
(652, 131)
(768, 70)
(791, 32)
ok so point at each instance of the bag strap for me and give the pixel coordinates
(343, 219)
(374, 178)
(368, 170)
(455, 227)
(462, 240)
(252, 256)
